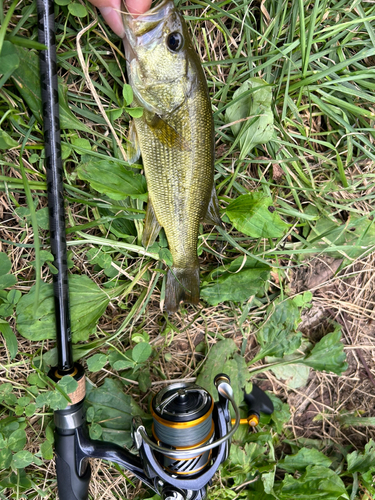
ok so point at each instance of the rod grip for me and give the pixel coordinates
(70, 485)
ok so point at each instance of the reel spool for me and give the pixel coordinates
(182, 420)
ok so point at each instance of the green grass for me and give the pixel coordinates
(317, 171)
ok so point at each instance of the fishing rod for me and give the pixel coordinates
(191, 433)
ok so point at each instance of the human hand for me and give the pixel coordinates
(110, 10)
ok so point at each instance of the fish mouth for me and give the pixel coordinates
(136, 27)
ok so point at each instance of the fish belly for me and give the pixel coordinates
(180, 181)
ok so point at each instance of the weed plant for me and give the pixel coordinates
(292, 90)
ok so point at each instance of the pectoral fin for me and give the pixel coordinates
(213, 213)
(152, 226)
(133, 149)
(166, 134)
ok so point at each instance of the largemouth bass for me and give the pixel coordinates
(175, 137)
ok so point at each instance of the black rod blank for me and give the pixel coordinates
(53, 162)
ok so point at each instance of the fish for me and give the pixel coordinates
(175, 137)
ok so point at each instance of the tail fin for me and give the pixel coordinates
(182, 285)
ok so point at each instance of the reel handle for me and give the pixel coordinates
(257, 402)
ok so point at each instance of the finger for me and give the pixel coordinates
(111, 11)
(136, 7)
(114, 20)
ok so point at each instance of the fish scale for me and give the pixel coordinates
(179, 180)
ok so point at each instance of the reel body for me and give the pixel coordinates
(190, 438)
(183, 420)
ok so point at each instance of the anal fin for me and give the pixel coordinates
(213, 212)
(152, 226)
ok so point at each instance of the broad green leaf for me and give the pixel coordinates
(280, 415)
(42, 218)
(144, 381)
(27, 80)
(17, 440)
(223, 358)
(135, 112)
(46, 450)
(122, 364)
(14, 296)
(24, 401)
(3, 442)
(268, 480)
(166, 255)
(81, 143)
(354, 421)
(19, 480)
(96, 256)
(367, 480)
(251, 116)
(96, 362)
(10, 339)
(127, 93)
(141, 352)
(6, 141)
(50, 434)
(22, 459)
(8, 425)
(254, 215)
(6, 388)
(54, 399)
(5, 458)
(246, 457)
(96, 431)
(45, 256)
(119, 437)
(30, 410)
(357, 234)
(113, 179)
(68, 384)
(279, 336)
(303, 459)
(295, 375)
(317, 483)
(236, 287)
(63, 2)
(115, 114)
(24, 213)
(362, 461)
(7, 280)
(115, 408)
(120, 361)
(6, 309)
(9, 60)
(76, 9)
(5, 264)
(88, 303)
(328, 354)
(34, 379)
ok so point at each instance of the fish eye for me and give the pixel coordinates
(175, 41)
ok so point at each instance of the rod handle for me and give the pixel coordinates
(71, 486)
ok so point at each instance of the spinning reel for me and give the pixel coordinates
(190, 438)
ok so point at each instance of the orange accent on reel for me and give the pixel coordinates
(251, 420)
